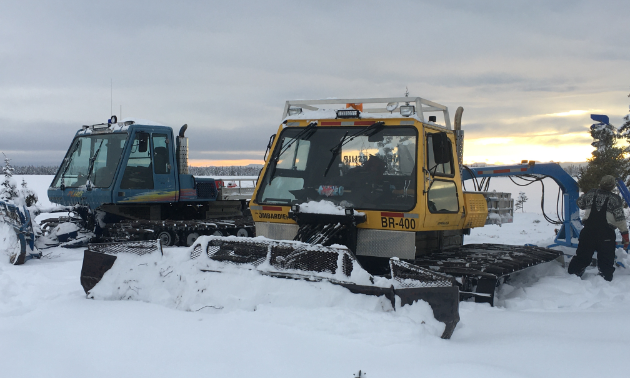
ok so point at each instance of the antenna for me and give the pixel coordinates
(111, 96)
(120, 112)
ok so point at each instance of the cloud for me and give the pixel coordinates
(227, 68)
(570, 113)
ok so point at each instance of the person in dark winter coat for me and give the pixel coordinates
(604, 213)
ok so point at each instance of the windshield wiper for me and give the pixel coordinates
(92, 159)
(369, 131)
(335, 152)
(310, 130)
(62, 186)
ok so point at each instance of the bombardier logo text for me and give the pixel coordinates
(272, 216)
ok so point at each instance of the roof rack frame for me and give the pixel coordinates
(422, 105)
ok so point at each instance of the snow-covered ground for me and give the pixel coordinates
(546, 324)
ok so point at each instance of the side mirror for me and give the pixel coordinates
(441, 148)
(143, 142)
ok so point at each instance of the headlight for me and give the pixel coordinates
(294, 111)
(407, 110)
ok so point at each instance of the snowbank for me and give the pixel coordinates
(9, 243)
(546, 323)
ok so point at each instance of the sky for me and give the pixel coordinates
(528, 73)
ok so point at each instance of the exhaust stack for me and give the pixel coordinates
(182, 151)
(459, 137)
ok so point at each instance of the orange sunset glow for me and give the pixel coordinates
(223, 163)
(511, 150)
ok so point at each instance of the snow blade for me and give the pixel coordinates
(99, 258)
(405, 285)
(337, 265)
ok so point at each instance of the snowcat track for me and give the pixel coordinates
(484, 265)
(138, 230)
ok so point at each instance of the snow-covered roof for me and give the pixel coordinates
(120, 126)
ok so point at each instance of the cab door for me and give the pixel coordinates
(442, 192)
(163, 162)
(136, 182)
(147, 172)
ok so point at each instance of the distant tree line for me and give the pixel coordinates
(33, 170)
(225, 171)
(573, 170)
(197, 171)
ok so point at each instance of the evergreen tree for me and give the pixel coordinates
(8, 190)
(520, 201)
(607, 159)
(624, 132)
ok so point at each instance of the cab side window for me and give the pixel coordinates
(439, 154)
(161, 156)
(139, 170)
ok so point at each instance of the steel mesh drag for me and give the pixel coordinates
(319, 233)
(196, 252)
(139, 248)
(234, 252)
(408, 275)
(306, 260)
(281, 257)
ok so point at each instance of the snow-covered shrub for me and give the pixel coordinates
(30, 197)
(9, 191)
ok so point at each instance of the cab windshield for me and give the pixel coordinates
(373, 171)
(103, 150)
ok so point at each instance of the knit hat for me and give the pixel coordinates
(607, 183)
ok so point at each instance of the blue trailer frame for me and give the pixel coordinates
(572, 224)
(20, 220)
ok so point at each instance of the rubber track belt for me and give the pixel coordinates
(486, 260)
